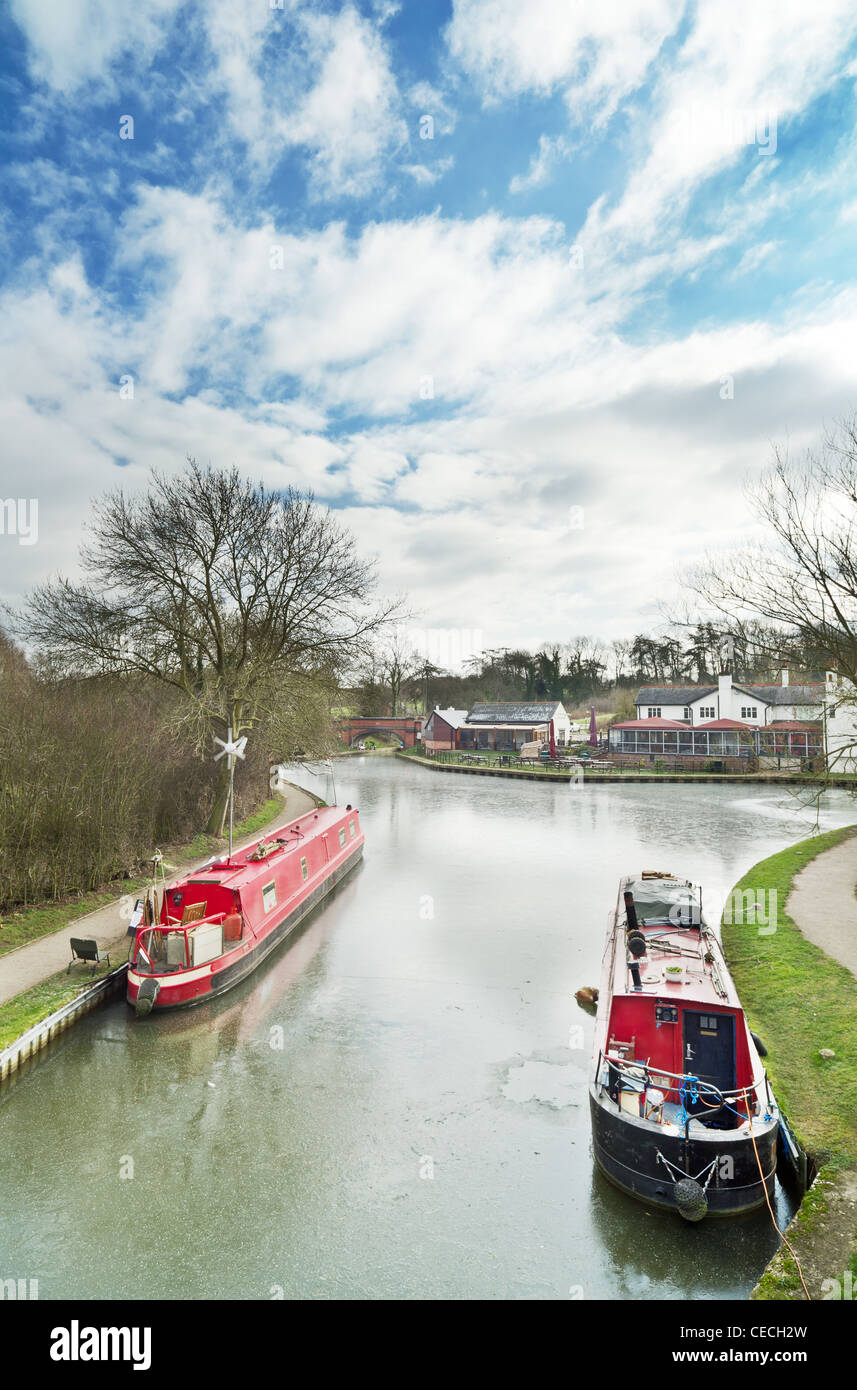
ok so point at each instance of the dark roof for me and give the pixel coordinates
(672, 694)
(785, 694)
(513, 713)
(768, 694)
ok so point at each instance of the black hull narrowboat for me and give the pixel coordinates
(683, 1116)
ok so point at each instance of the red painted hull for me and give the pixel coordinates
(269, 898)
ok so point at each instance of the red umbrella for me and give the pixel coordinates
(552, 741)
(593, 728)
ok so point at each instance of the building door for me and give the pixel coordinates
(709, 1052)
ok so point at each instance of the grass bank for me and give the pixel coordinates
(34, 1005)
(799, 1000)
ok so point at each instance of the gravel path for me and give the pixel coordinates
(29, 965)
(823, 905)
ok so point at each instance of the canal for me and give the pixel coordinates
(395, 1106)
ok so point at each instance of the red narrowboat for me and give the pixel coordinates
(682, 1112)
(215, 925)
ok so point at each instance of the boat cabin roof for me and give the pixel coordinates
(244, 869)
(669, 914)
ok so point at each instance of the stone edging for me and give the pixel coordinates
(38, 1037)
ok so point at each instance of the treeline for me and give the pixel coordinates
(93, 778)
(585, 669)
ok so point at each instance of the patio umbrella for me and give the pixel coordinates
(552, 741)
(593, 728)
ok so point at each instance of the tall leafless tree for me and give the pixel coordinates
(247, 601)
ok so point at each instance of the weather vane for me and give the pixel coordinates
(231, 750)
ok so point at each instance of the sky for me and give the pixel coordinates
(525, 292)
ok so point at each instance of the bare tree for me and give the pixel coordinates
(801, 580)
(399, 663)
(793, 595)
(249, 602)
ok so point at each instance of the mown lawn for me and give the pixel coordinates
(799, 1000)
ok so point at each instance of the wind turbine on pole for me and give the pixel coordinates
(232, 750)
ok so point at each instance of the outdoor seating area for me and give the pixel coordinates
(563, 762)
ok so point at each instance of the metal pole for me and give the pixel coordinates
(231, 788)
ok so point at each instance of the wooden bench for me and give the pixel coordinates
(83, 948)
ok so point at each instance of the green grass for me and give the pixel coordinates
(32, 923)
(20, 1013)
(799, 1000)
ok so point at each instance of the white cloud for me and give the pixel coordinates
(76, 41)
(709, 99)
(595, 53)
(542, 405)
(349, 119)
(541, 165)
(427, 174)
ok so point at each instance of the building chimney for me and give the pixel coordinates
(724, 695)
(784, 675)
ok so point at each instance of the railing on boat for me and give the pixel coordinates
(176, 928)
(644, 1072)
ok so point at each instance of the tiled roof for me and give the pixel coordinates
(672, 694)
(767, 694)
(785, 694)
(726, 724)
(513, 713)
(453, 717)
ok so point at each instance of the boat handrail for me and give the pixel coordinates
(623, 1069)
(175, 924)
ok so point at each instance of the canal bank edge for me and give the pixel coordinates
(800, 1001)
(36, 1036)
(592, 778)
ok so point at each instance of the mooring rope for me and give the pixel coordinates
(780, 1233)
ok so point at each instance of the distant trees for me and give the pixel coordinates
(247, 603)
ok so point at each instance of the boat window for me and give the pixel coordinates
(351, 828)
(342, 834)
(304, 870)
(269, 896)
(708, 1023)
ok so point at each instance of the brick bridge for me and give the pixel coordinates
(353, 729)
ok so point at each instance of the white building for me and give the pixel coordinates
(840, 724)
(754, 705)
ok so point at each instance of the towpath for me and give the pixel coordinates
(29, 965)
(823, 905)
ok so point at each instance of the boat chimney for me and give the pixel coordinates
(630, 910)
(635, 974)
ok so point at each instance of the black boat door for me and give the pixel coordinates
(709, 1051)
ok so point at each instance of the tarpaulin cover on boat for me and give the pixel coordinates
(654, 897)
